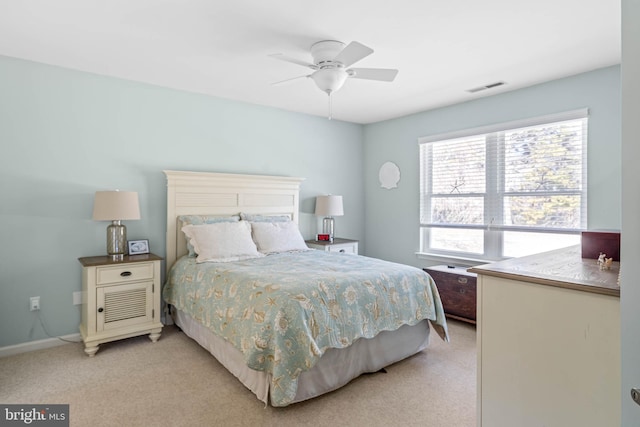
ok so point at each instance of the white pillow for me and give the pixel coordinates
(272, 237)
(200, 220)
(222, 241)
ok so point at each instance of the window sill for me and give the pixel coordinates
(463, 261)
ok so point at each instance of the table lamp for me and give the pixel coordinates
(329, 206)
(116, 206)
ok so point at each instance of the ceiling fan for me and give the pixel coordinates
(331, 62)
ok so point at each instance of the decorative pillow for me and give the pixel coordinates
(273, 237)
(200, 220)
(264, 218)
(222, 241)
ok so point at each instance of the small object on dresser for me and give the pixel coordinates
(607, 263)
(323, 237)
(604, 263)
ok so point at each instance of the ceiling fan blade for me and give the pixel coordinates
(286, 58)
(382, 74)
(353, 53)
(288, 80)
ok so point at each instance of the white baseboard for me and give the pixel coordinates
(10, 350)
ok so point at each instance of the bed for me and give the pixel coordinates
(294, 323)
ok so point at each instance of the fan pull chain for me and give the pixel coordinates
(330, 114)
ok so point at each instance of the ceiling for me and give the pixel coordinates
(221, 47)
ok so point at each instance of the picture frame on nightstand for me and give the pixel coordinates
(138, 247)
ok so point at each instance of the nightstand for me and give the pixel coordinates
(338, 245)
(120, 299)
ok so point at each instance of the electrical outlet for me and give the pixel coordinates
(34, 303)
(77, 298)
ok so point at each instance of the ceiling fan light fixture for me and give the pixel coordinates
(330, 80)
(331, 62)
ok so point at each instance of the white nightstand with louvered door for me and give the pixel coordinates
(120, 299)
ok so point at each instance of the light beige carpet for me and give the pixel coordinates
(174, 382)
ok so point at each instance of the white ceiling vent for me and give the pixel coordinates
(489, 86)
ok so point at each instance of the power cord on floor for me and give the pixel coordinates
(44, 328)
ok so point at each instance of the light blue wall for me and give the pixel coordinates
(392, 216)
(65, 134)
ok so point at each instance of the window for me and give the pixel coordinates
(504, 191)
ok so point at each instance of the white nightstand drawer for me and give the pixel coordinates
(347, 248)
(344, 246)
(124, 273)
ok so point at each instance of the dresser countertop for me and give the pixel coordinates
(564, 268)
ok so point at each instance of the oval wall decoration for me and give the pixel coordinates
(389, 175)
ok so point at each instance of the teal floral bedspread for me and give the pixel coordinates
(283, 311)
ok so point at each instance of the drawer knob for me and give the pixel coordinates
(342, 250)
(100, 310)
(125, 273)
(462, 280)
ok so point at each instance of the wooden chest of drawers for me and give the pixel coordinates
(457, 289)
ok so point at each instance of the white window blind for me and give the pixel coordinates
(492, 191)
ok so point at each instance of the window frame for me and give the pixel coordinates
(495, 194)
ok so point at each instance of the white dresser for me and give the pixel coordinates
(548, 342)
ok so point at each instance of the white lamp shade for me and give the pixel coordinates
(115, 205)
(329, 206)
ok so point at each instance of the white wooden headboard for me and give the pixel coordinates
(206, 193)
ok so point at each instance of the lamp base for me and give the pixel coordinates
(328, 226)
(116, 240)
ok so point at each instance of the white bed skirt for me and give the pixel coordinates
(335, 368)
